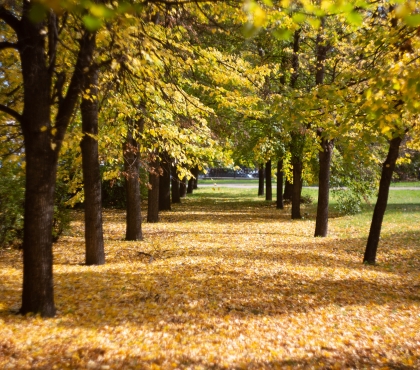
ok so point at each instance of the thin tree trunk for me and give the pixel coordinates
(321, 225)
(279, 188)
(175, 188)
(165, 184)
(268, 185)
(132, 185)
(380, 207)
(261, 180)
(195, 172)
(94, 240)
(183, 187)
(297, 187)
(153, 193)
(190, 186)
(288, 190)
(325, 154)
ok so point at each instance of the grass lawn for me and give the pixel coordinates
(234, 284)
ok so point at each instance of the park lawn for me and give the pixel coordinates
(234, 283)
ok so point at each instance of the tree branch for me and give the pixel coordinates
(8, 45)
(10, 19)
(11, 112)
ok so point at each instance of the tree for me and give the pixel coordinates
(165, 183)
(95, 254)
(153, 192)
(268, 186)
(132, 182)
(43, 135)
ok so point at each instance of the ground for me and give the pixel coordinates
(233, 283)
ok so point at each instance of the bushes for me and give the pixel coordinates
(12, 193)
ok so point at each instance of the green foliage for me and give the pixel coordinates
(12, 189)
(12, 192)
(353, 183)
(61, 221)
(348, 202)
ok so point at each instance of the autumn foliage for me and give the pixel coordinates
(222, 283)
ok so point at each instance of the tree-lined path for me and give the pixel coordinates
(225, 281)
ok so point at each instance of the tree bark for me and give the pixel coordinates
(261, 180)
(175, 188)
(165, 184)
(195, 172)
(183, 188)
(297, 187)
(190, 186)
(268, 185)
(296, 145)
(382, 201)
(321, 225)
(42, 145)
(288, 190)
(325, 154)
(279, 187)
(153, 193)
(133, 229)
(94, 240)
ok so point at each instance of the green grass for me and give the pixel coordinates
(406, 184)
(402, 213)
(241, 180)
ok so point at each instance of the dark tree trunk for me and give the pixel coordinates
(190, 186)
(288, 190)
(183, 188)
(321, 226)
(297, 187)
(94, 240)
(133, 229)
(268, 185)
(175, 188)
(165, 183)
(380, 207)
(297, 144)
(279, 188)
(195, 172)
(261, 180)
(41, 168)
(153, 193)
(42, 145)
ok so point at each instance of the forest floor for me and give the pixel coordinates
(233, 284)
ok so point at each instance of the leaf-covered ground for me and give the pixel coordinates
(232, 285)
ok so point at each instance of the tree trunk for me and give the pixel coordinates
(133, 229)
(95, 254)
(175, 188)
(268, 185)
(280, 204)
(183, 188)
(261, 180)
(41, 168)
(190, 186)
(195, 172)
(288, 190)
(165, 184)
(321, 226)
(297, 187)
(42, 145)
(153, 193)
(380, 207)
